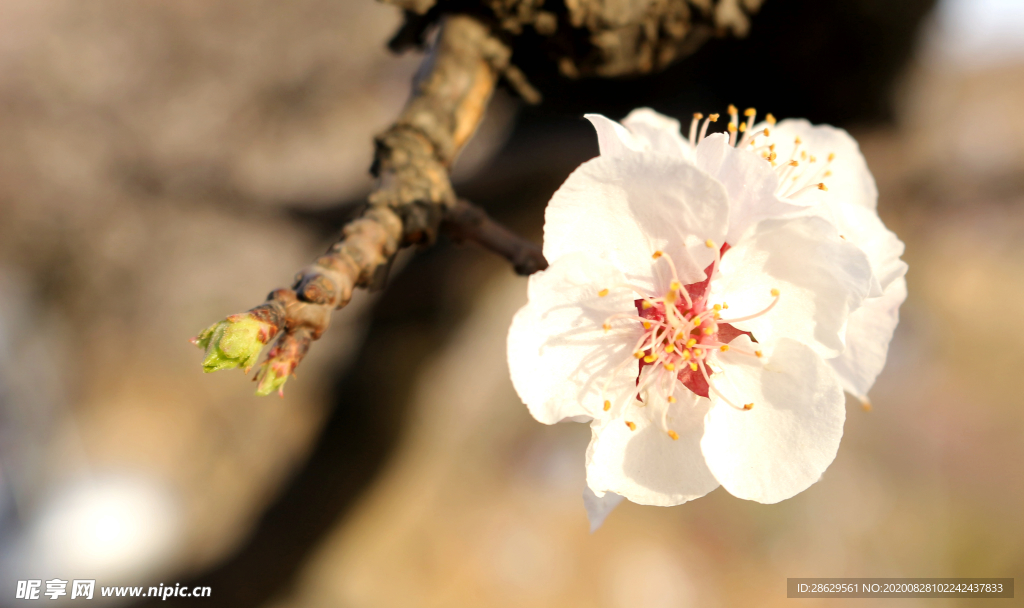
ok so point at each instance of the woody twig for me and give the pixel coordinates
(411, 201)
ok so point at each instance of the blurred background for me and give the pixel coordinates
(164, 163)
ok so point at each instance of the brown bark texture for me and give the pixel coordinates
(604, 38)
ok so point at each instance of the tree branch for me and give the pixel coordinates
(412, 197)
(466, 222)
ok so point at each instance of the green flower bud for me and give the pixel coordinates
(282, 361)
(234, 342)
(271, 378)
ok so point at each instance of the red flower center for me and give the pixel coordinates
(681, 339)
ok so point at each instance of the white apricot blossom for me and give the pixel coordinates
(701, 308)
(802, 157)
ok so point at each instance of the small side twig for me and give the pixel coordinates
(466, 222)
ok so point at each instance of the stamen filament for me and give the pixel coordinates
(693, 128)
(675, 279)
(704, 128)
(755, 315)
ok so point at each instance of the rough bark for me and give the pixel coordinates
(606, 38)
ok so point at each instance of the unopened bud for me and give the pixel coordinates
(271, 377)
(234, 342)
(282, 361)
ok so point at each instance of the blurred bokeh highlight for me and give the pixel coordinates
(164, 163)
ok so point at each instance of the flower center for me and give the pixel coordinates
(682, 332)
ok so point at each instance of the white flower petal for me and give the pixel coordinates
(598, 507)
(559, 356)
(820, 277)
(658, 133)
(790, 436)
(613, 139)
(863, 228)
(643, 130)
(646, 465)
(623, 209)
(867, 340)
(850, 182)
(749, 180)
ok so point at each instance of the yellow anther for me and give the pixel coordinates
(767, 132)
(724, 348)
(670, 297)
(607, 405)
(646, 304)
(803, 155)
(647, 324)
(775, 293)
(828, 173)
(713, 117)
(670, 367)
(822, 186)
(691, 342)
(717, 316)
(671, 348)
(798, 141)
(794, 163)
(812, 159)
(764, 155)
(732, 127)
(725, 305)
(697, 116)
(772, 157)
(675, 285)
(679, 336)
(674, 435)
(748, 406)
(743, 127)
(750, 112)
(717, 307)
(708, 331)
(650, 358)
(758, 353)
(657, 254)
(866, 406)
(602, 293)
(770, 119)
(831, 156)
(772, 147)
(732, 109)
(697, 352)
(693, 366)
(686, 355)
(639, 354)
(697, 322)
(631, 425)
(671, 399)
(709, 244)
(607, 326)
